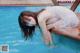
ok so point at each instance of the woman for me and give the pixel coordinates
(51, 19)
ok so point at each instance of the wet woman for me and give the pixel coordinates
(51, 19)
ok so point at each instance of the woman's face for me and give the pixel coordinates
(30, 21)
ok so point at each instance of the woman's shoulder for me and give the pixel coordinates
(43, 15)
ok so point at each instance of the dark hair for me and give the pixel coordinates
(27, 30)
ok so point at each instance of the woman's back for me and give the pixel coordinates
(60, 11)
(55, 13)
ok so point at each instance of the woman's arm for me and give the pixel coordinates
(57, 24)
(46, 34)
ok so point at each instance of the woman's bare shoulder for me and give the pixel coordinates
(43, 15)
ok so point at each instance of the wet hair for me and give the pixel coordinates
(28, 30)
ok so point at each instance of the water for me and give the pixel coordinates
(10, 34)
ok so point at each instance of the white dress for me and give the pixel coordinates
(60, 17)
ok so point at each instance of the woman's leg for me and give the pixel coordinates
(71, 32)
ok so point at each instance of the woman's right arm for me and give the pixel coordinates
(46, 34)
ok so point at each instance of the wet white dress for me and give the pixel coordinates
(60, 17)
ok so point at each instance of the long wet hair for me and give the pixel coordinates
(28, 30)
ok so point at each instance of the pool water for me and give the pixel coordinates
(11, 35)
